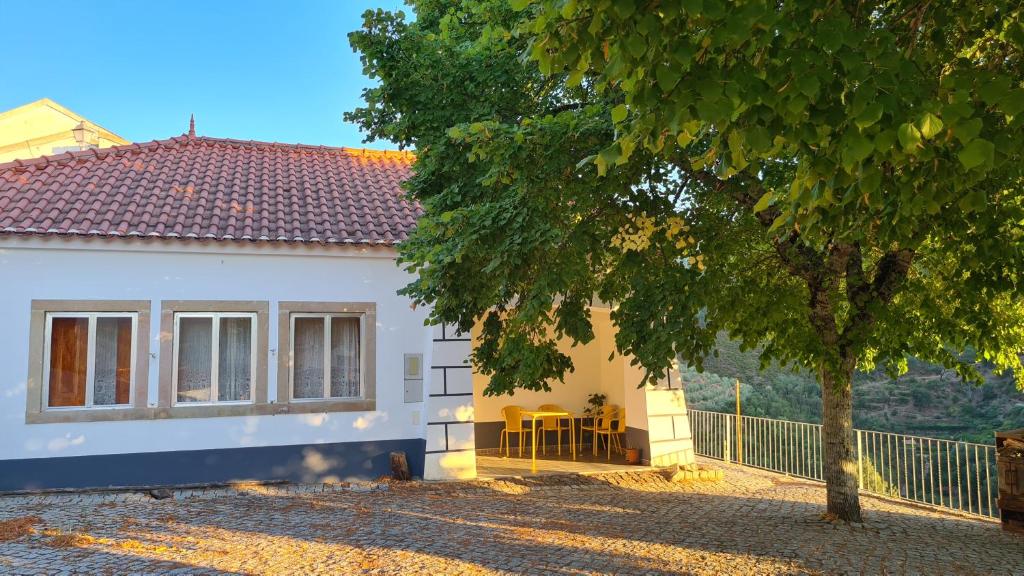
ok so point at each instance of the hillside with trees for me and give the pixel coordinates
(927, 400)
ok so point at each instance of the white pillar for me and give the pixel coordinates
(451, 444)
(668, 423)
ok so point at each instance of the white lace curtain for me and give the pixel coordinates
(234, 365)
(308, 358)
(195, 359)
(308, 362)
(113, 354)
(344, 357)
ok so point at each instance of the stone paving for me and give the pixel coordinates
(753, 522)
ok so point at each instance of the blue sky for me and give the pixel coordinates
(277, 71)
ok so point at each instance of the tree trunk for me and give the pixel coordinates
(840, 465)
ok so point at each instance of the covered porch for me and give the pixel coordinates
(465, 428)
(601, 433)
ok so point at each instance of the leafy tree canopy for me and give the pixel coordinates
(838, 183)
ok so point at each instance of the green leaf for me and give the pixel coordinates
(956, 110)
(568, 9)
(624, 8)
(626, 145)
(871, 114)
(977, 153)
(763, 203)
(909, 135)
(858, 148)
(736, 155)
(994, 91)
(929, 125)
(519, 5)
(808, 85)
(1013, 103)
(667, 76)
(758, 138)
(607, 157)
(684, 138)
(870, 181)
(884, 140)
(967, 130)
(974, 200)
(693, 7)
(636, 45)
(619, 113)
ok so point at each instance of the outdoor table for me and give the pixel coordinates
(533, 415)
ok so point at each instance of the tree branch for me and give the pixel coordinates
(563, 108)
(890, 273)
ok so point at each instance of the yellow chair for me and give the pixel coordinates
(602, 422)
(513, 416)
(613, 434)
(551, 424)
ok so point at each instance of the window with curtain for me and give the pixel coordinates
(326, 356)
(89, 361)
(214, 357)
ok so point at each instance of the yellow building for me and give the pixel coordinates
(44, 127)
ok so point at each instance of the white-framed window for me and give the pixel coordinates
(214, 357)
(326, 356)
(89, 360)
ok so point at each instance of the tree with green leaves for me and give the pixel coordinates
(838, 184)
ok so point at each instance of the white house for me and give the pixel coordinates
(200, 310)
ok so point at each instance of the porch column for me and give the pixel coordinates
(451, 445)
(668, 423)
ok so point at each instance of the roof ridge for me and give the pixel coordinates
(69, 156)
(301, 146)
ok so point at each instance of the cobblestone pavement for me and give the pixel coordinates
(753, 522)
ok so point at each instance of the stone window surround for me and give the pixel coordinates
(368, 401)
(259, 405)
(140, 410)
(35, 413)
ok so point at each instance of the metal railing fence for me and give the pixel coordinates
(943, 473)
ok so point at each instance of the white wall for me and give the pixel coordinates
(38, 268)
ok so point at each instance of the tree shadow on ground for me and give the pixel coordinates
(592, 524)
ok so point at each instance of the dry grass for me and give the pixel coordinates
(128, 522)
(143, 549)
(299, 503)
(14, 528)
(61, 539)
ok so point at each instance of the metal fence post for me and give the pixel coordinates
(726, 451)
(739, 426)
(860, 460)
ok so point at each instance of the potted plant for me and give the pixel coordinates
(595, 402)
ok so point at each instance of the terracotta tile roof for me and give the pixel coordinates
(211, 188)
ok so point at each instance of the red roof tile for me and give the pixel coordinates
(212, 188)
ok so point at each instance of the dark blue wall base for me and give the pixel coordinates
(297, 463)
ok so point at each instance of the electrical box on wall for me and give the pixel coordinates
(413, 377)
(414, 366)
